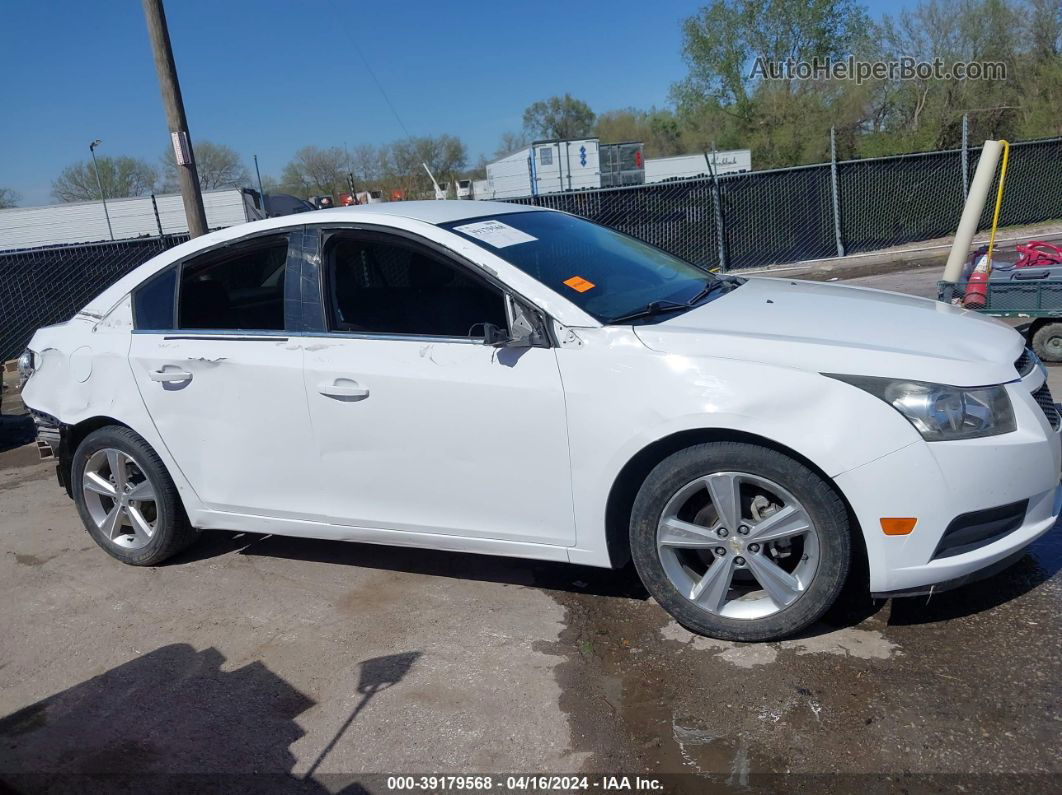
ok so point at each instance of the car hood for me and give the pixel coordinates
(833, 328)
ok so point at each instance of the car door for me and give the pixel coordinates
(221, 378)
(419, 425)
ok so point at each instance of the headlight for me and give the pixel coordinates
(940, 412)
(26, 366)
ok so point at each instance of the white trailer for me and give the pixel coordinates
(662, 169)
(544, 167)
(85, 222)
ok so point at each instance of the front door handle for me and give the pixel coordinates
(169, 376)
(344, 388)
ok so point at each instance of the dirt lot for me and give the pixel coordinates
(310, 664)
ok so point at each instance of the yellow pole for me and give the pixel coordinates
(999, 204)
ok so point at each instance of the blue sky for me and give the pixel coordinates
(269, 76)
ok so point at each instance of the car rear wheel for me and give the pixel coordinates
(126, 499)
(740, 542)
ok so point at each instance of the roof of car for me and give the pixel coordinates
(432, 212)
(429, 212)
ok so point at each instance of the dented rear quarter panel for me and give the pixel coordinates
(62, 387)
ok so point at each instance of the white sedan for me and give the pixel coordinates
(500, 379)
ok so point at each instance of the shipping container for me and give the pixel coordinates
(544, 167)
(662, 169)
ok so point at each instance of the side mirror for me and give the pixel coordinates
(525, 328)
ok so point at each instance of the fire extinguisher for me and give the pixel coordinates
(976, 296)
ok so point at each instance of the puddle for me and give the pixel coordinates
(623, 691)
(896, 691)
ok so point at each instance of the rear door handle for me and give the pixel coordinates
(343, 388)
(169, 376)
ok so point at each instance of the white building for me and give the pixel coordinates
(85, 222)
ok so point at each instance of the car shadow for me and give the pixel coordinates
(457, 565)
(174, 720)
(1041, 562)
(15, 431)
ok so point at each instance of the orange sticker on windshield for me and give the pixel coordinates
(579, 284)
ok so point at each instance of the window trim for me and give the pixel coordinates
(249, 241)
(411, 241)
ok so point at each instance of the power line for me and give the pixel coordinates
(369, 69)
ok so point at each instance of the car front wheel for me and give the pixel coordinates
(126, 499)
(740, 542)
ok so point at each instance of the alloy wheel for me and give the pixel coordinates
(120, 498)
(737, 545)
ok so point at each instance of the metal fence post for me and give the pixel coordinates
(717, 208)
(155, 207)
(835, 193)
(965, 155)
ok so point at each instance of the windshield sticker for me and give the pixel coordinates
(495, 233)
(579, 284)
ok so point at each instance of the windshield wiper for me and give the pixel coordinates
(725, 283)
(650, 309)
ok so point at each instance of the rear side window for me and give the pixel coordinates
(153, 302)
(240, 287)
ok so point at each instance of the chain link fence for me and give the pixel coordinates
(42, 286)
(732, 222)
(764, 218)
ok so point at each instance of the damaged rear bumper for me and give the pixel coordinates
(52, 445)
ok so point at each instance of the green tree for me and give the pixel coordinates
(511, 142)
(559, 117)
(445, 155)
(727, 100)
(314, 171)
(218, 166)
(8, 198)
(657, 129)
(120, 176)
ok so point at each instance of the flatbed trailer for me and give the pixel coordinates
(1026, 295)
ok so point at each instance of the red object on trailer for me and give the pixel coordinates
(1038, 254)
(976, 296)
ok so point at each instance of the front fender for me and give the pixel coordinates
(623, 398)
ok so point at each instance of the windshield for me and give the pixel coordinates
(606, 273)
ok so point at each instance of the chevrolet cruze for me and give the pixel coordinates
(500, 379)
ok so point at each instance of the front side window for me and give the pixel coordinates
(384, 286)
(604, 272)
(237, 287)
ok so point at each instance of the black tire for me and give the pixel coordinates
(822, 505)
(172, 532)
(1047, 342)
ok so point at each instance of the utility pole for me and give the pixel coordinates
(187, 175)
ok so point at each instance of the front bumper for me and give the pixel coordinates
(938, 482)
